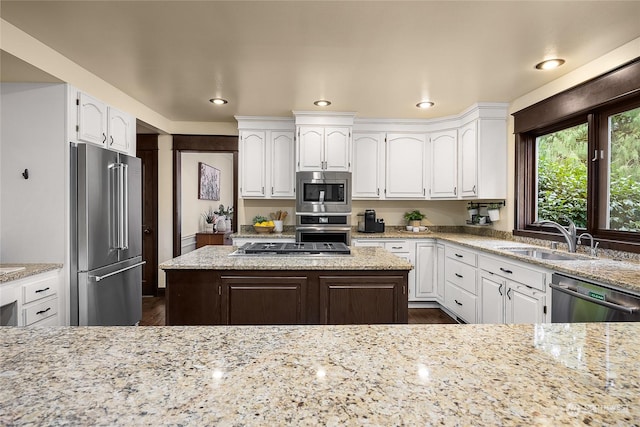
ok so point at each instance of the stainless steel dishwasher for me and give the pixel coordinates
(577, 300)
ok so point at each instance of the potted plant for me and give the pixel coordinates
(209, 217)
(414, 217)
(493, 210)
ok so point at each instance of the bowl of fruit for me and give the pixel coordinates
(262, 225)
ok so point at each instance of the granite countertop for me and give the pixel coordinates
(550, 374)
(217, 258)
(28, 270)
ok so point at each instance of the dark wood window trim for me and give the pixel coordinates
(591, 102)
(206, 144)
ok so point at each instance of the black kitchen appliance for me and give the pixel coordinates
(367, 222)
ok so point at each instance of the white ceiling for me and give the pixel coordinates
(268, 58)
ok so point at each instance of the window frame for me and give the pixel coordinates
(591, 102)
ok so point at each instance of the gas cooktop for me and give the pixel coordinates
(306, 248)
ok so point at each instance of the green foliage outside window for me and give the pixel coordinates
(562, 174)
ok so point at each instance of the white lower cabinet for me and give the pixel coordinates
(38, 299)
(439, 266)
(511, 292)
(460, 289)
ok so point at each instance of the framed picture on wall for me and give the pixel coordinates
(209, 180)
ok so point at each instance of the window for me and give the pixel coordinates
(578, 157)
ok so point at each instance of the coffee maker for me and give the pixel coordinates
(367, 222)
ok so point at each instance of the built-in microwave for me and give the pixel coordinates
(323, 192)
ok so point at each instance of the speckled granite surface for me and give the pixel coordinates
(378, 375)
(217, 258)
(29, 270)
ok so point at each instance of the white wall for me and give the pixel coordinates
(192, 208)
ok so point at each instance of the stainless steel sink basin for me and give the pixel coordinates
(544, 254)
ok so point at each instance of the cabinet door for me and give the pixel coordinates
(440, 278)
(282, 165)
(492, 290)
(468, 160)
(192, 298)
(444, 164)
(405, 176)
(119, 130)
(310, 148)
(268, 300)
(425, 271)
(362, 300)
(337, 149)
(92, 120)
(253, 175)
(524, 304)
(368, 163)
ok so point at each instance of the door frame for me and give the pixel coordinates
(199, 144)
(149, 143)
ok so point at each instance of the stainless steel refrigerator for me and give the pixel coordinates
(106, 237)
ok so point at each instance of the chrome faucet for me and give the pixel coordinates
(568, 234)
(593, 249)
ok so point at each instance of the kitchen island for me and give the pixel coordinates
(210, 286)
(549, 374)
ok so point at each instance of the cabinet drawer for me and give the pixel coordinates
(39, 289)
(513, 271)
(460, 302)
(39, 311)
(461, 275)
(368, 243)
(399, 246)
(462, 255)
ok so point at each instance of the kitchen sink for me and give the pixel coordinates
(545, 254)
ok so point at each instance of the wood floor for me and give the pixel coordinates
(153, 313)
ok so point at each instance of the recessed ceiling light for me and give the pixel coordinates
(322, 103)
(425, 104)
(549, 64)
(218, 101)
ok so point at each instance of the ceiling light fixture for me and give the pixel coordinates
(218, 101)
(322, 103)
(549, 64)
(425, 104)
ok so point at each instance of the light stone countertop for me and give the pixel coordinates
(381, 375)
(29, 270)
(217, 258)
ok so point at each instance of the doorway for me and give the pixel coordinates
(147, 151)
(202, 144)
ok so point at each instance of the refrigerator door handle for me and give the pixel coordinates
(124, 211)
(113, 273)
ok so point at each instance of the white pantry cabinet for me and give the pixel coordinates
(405, 166)
(104, 125)
(368, 165)
(267, 168)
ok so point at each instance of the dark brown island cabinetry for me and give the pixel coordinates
(258, 297)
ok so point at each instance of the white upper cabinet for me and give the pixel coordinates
(468, 160)
(323, 141)
(267, 165)
(282, 164)
(444, 164)
(105, 126)
(368, 165)
(405, 166)
(324, 148)
(92, 120)
(253, 152)
(121, 128)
